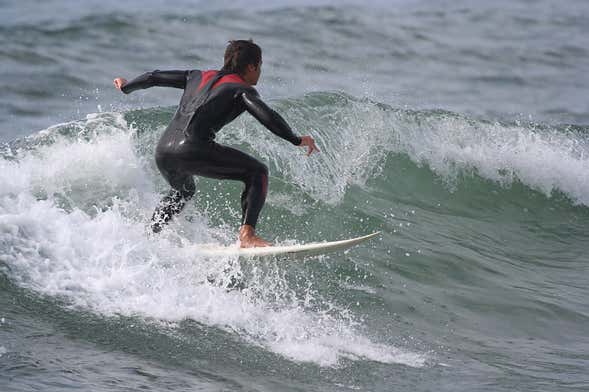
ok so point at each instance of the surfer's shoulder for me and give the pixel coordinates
(249, 90)
(247, 94)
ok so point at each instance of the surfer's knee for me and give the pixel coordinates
(256, 174)
(188, 189)
(261, 171)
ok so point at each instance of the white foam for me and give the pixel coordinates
(87, 168)
(327, 349)
(350, 138)
(102, 259)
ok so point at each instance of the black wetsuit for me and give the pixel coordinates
(211, 99)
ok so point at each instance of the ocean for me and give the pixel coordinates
(459, 129)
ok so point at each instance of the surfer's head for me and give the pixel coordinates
(244, 58)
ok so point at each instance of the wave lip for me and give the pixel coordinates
(547, 159)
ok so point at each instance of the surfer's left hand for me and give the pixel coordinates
(119, 82)
(308, 141)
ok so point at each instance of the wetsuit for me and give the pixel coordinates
(211, 100)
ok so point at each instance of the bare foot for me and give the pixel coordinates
(248, 238)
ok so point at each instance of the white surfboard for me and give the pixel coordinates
(294, 251)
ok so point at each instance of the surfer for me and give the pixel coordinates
(212, 99)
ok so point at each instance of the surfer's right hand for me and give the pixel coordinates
(120, 82)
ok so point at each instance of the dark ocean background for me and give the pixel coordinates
(459, 129)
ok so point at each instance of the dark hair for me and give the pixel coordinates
(239, 54)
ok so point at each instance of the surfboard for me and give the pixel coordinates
(293, 251)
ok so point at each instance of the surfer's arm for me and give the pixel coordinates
(268, 117)
(175, 79)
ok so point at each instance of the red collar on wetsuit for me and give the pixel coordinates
(230, 78)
